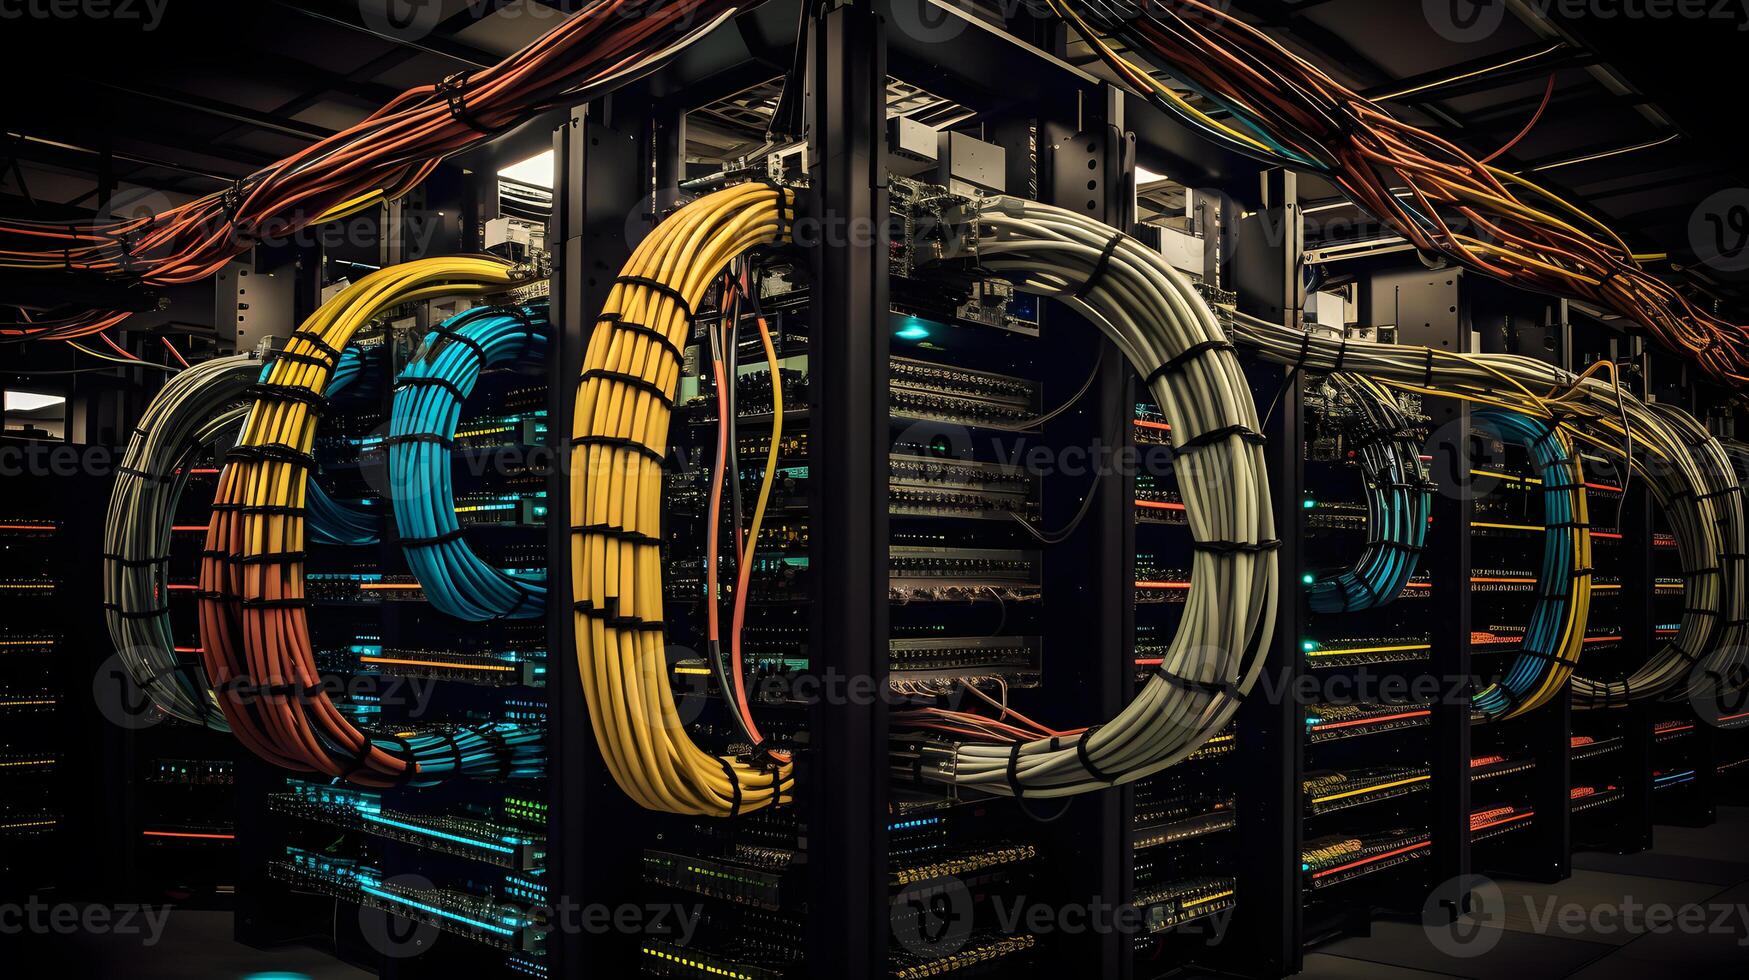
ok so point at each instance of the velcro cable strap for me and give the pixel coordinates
(658, 286)
(1099, 268)
(1178, 361)
(660, 338)
(617, 442)
(631, 381)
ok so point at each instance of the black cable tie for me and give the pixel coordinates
(423, 381)
(1305, 352)
(1709, 570)
(631, 381)
(297, 357)
(273, 452)
(454, 89)
(622, 534)
(1099, 267)
(640, 329)
(1697, 611)
(1014, 771)
(658, 286)
(785, 214)
(315, 340)
(266, 510)
(431, 438)
(1178, 361)
(1714, 494)
(1235, 547)
(286, 602)
(210, 595)
(1213, 436)
(432, 542)
(455, 336)
(1187, 685)
(312, 400)
(272, 558)
(1083, 753)
(1341, 354)
(610, 615)
(618, 442)
(734, 787)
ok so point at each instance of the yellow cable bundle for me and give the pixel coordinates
(619, 438)
(253, 625)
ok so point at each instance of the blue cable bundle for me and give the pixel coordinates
(1555, 634)
(427, 407)
(1399, 499)
(495, 750)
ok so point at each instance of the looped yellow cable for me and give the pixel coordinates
(619, 435)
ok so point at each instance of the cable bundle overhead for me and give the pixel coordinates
(1399, 499)
(1278, 108)
(254, 625)
(427, 408)
(1170, 335)
(1696, 490)
(1555, 635)
(606, 43)
(625, 401)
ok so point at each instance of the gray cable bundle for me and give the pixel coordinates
(197, 406)
(1171, 336)
(1687, 470)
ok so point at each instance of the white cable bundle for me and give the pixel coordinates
(1684, 466)
(195, 408)
(1171, 337)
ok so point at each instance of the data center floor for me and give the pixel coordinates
(1705, 868)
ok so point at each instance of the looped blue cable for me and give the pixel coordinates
(427, 409)
(1398, 501)
(1542, 636)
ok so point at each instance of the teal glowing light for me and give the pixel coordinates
(913, 329)
(1309, 645)
(1308, 578)
(1308, 504)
